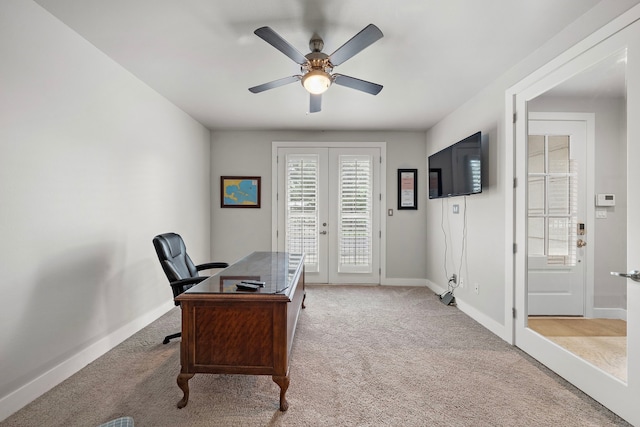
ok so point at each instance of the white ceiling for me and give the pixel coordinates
(202, 55)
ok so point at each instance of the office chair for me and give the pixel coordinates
(180, 270)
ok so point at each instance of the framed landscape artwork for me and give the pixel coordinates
(240, 191)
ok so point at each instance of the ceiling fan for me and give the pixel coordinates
(316, 67)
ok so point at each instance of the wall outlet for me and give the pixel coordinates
(461, 283)
(475, 287)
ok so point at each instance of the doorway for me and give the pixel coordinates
(327, 206)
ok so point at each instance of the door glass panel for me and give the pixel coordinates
(355, 214)
(536, 153)
(302, 217)
(552, 197)
(558, 153)
(559, 196)
(558, 236)
(536, 195)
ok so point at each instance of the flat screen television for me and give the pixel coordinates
(457, 170)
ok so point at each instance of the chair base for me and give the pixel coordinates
(170, 337)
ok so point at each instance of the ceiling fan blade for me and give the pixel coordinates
(369, 35)
(353, 83)
(274, 84)
(315, 103)
(275, 40)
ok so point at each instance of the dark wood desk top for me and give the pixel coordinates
(278, 271)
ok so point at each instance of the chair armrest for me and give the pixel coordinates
(179, 286)
(188, 281)
(211, 265)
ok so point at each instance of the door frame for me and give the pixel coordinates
(382, 146)
(590, 209)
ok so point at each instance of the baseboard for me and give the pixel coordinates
(403, 282)
(435, 287)
(610, 313)
(495, 327)
(45, 382)
(487, 322)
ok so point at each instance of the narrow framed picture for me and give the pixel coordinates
(407, 189)
(240, 191)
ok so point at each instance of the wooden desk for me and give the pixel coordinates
(225, 331)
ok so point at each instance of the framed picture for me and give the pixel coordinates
(240, 191)
(407, 189)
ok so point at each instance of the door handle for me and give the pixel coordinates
(633, 275)
(581, 243)
(323, 232)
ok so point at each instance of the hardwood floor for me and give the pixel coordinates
(601, 342)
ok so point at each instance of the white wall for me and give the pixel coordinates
(93, 164)
(236, 232)
(488, 250)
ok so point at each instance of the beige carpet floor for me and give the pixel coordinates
(363, 356)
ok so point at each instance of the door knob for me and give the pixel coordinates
(633, 275)
(581, 243)
(323, 232)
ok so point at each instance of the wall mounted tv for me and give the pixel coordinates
(457, 170)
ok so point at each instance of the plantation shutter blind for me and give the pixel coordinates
(302, 216)
(355, 214)
(553, 199)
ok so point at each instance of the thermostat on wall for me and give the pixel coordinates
(605, 199)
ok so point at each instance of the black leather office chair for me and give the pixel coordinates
(180, 270)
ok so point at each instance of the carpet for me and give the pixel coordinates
(362, 356)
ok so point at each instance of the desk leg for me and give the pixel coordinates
(183, 383)
(283, 382)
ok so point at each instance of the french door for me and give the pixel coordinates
(328, 207)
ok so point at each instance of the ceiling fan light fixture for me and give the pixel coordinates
(316, 81)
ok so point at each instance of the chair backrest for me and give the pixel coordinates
(173, 257)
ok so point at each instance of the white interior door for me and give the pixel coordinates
(620, 396)
(328, 207)
(557, 216)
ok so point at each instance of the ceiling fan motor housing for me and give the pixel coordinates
(317, 61)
